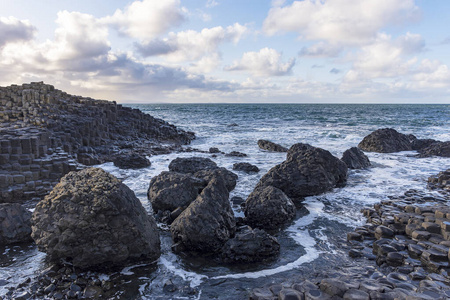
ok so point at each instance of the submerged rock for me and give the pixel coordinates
(249, 246)
(15, 226)
(354, 158)
(271, 146)
(170, 190)
(208, 223)
(91, 219)
(131, 161)
(307, 171)
(269, 208)
(245, 167)
(387, 140)
(191, 164)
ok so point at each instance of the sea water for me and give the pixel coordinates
(316, 239)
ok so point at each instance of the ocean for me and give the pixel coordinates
(316, 241)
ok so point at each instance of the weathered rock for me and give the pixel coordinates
(307, 171)
(214, 150)
(229, 177)
(386, 140)
(271, 146)
(269, 208)
(250, 245)
(208, 222)
(245, 167)
(236, 154)
(131, 161)
(91, 219)
(436, 149)
(354, 158)
(191, 164)
(170, 190)
(15, 226)
(441, 180)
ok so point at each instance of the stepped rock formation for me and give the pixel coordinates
(46, 133)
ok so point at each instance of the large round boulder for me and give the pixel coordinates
(207, 223)
(191, 164)
(15, 226)
(92, 220)
(271, 146)
(131, 161)
(387, 140)
(307, 171)
(245, 167)
(354, 158)
(269, 208)
(250, 246)
(170, 190)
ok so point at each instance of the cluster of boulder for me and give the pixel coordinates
(388, 140)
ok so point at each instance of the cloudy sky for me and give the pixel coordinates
(310, 51)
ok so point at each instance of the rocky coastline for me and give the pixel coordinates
(88, 220)
(46, 133)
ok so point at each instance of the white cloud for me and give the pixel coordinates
(386, 58)
(266, 62)
(192, 45)
(15, 30)
(147, 19)
(431, 74)
(339, 21)
(212, 3)
(321, 50)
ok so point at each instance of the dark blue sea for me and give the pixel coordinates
(316, 241)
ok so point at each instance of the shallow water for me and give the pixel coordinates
(315, 241)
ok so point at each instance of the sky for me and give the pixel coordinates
(231, 51)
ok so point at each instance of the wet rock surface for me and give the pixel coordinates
(307, 171)
(250, 246)
(92, 220)
(269, 208)
(245, 167)
(271, 146)
(354, 158)
(440, 181)
(15, 225)
(131, 161)
(436, 149)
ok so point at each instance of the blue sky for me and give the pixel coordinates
(350, 51)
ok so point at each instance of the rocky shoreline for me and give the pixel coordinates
(90, 221)
(46, 133)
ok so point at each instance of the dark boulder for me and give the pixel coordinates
(214, 150)
(387, 140)
(229, 177)
(245, 167)
(354, 158)
(191, 164)
(419, 144)
(436, 149)
(131, 161)
(208, 223)
(170, 190)
(15, 226)
(307, 171)
(249, 246)
(92, 220)
(271, 146)
(236, 154)
(269, 208)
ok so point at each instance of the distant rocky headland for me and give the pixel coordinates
(45, 133)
